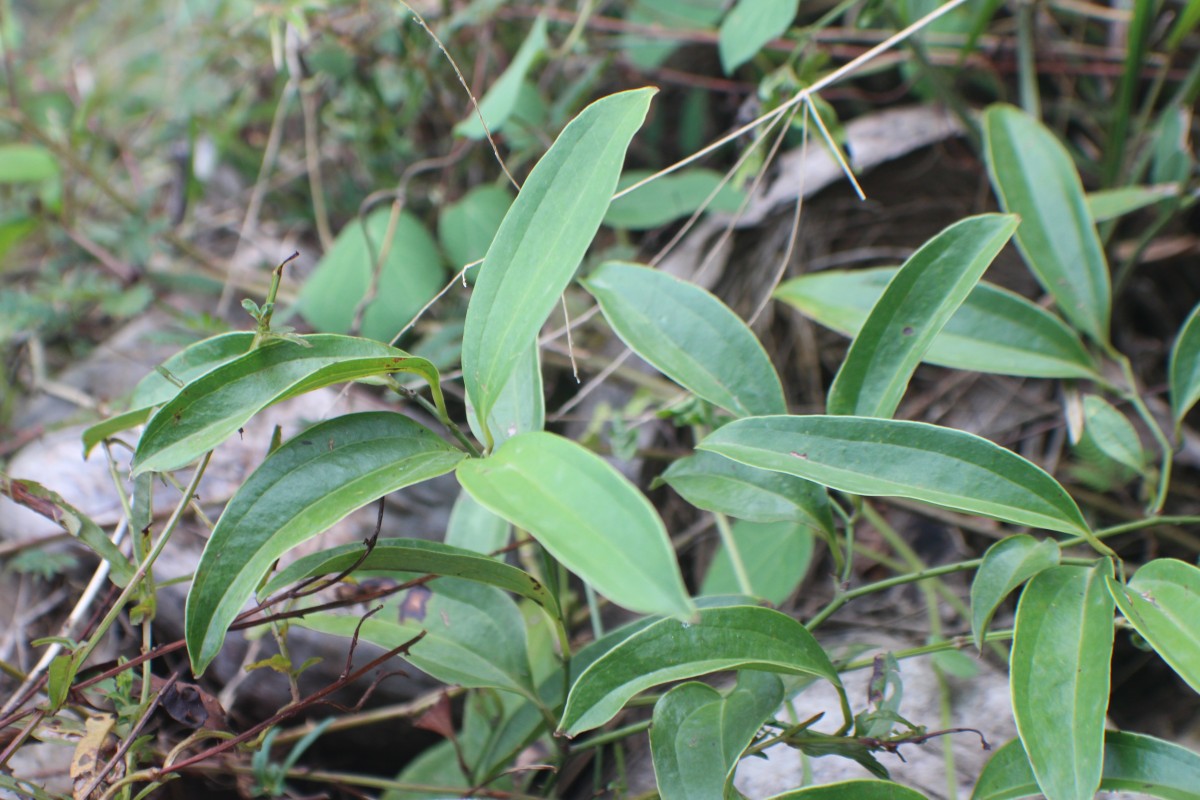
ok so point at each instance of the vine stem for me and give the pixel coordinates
(735, 555)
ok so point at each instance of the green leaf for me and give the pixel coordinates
(749, 25)
(1133, 762)
(474, 634)
(1108, 204)
(1006, 565)
(466, 227)
(690, 336)
(1185, 367)
(409, 277)
(542, 240)
(1162, 601)
(1034, 177)
(474, 528)
(913, 309)
(1109, 431)
(300, 490)
(587, 515)
(214, 406)
(733, 637)
(1059, 676)
(896, 458)
(26, 163)
(52, 506)
(521, 405)
(419, 556)
(776, 556)
(994, 330)
(698, 734)
(649, 50)
(436, 766)
(670, 197)
(714, 483)
(853, 790)
(500, 100)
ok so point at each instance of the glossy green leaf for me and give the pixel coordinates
(1132, 762)
(853, 790)
(994, 330)
(1006, 565)
(466, 227)
(1184, 369)
(1059, 676)
(587, 515)
(415, 555)
(300, 490)
(698, 734)
(749, 25)
(500, 100)
(542, 240)
(1110, 204)
(895, 458)
(1162, 601)
(776, 556)
(715, 483)
(475, 528)
(915, 306)
(52, 506)
(1033, 175)
(690, 336)
(26, 163)
(156, 388)
(733, 637)
(1110, 432)
(521, 405)
(214, 406)
(670, 197)
(409, 277)
(474, 634)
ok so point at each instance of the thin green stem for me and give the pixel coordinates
(735, 555)
(616, 735)
(1168, 453)
(953, 643)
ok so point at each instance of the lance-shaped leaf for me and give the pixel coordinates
(1059, 676)
(713, 483)
(699, 734)
(1034, 177)
(542, 240)
(690, 336)
(159, 386)
(521, 405)
(474, 634)
(915, 306)
(500, 100)
(1108, 431)
(420, 556)
(587, 515)
(1006, 565)
(994, 330)
(733, 637)
(52, 506)
(1133, 762)
(896, 458)
(1185, 367)
(1162, 601)
(214, 406)
(300, 490)
(776, 556)
(1113, 203)
(857, 789)
(749, 25)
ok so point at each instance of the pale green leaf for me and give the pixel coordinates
(1006, 565)
(466, 227)
(26, 163)
(1162, 601)
(776, 556)
(1110, 432)
(1059, 676)
(1034, 177)
(499, 101)
(542, 240)
(587, 515)
(895, 458)
(1108, 204)
(475, 528)
(993, 330)
(669, 197)
(1185, 367)
(300, 490)
(521, 405)
(915, 306)
(749, 25)
(732, 637)
(690, 336)
(853, 790)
